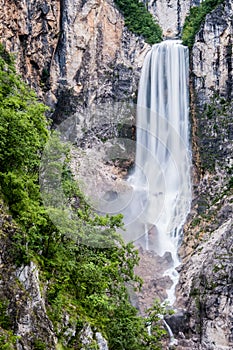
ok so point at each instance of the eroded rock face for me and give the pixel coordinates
(89, 339)
(170, 14)
(98, 59)
(205, 290)
(205, 287)
(32, 323)
(212, 55)
(31, 30)
(73, 52)
(152, 269)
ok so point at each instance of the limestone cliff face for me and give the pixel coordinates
(212, 87)
(30, 30)
(97, 59)
(205, 291)
(170, 14)
(206, 279)
(212, 55)
(211, 105)
(73, 50)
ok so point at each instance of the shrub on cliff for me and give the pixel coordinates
(194, 20)
(83, 283)
(139, 20)
(24, 132)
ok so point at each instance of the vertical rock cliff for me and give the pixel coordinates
(31, 30)
(97, 58)
(212, 55)
(73, 50)
(170, 14)
(206, 283)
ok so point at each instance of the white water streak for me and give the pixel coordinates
(163, 153)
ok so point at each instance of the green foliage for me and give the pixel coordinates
(139, 20)
(123, 321)
(4, 318)
(90, 281)
(23, 126)
(194, 20)
(84, 282)
(39, 345)
(23, 129)
(7, 340)
(230, 184)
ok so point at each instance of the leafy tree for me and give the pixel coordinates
(24, 131)
(23, 125)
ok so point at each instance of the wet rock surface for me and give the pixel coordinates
(152, 269)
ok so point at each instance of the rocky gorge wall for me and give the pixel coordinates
(170, 14)
(74, 53)
(31, 30)
(206, 279)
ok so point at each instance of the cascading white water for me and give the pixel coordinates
(162, 170)
(156, 198)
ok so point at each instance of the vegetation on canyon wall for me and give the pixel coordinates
(85, 282)
(139, 20)
(194, 20)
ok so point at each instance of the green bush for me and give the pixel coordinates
(86, 282)
(139, 20)
(7, 340)
(194, 20)
(24, 132)
(4, 318)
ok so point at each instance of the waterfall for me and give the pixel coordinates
(155, 199)
(161, 179)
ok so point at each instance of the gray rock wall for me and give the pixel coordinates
(98, 59)
(212, 55)
(31, 30)
(73, 52)
(206, 276)
(170, 14)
